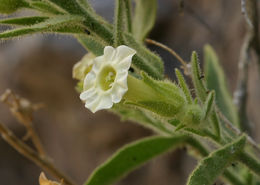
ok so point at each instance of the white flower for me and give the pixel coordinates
(106, 83)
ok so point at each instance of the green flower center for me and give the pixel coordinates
(107, 77)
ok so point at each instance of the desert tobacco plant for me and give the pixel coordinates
(120, 74)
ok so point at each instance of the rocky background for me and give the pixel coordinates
(39, 69)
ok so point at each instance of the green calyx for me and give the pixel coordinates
(161, 97)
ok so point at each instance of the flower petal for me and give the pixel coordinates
(119, 61)
(105, 103)
(123, 52)
(109, 53)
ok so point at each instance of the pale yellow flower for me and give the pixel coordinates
(44, 181)
(81, 69)
(106, 83)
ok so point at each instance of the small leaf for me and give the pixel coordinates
(215, 120)
(144, 18)
(201, 90)
(197, 78)
(10, 6)
(251, 162)
(63, 24)
(209, 104)
(46, 7)
(71, 6)
(216, 80)
(175, 122)
(136, 154)
(184, 86)
(212, 166)
(24, 21)
(85, 4)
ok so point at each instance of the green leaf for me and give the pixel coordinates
(209, 104)
(212, 166)
(71, 6)
(233, 178)
(10, 6)
(215, 120)
(46, 7)
(216, 80)
(251, 162)
(144, 18)
(184, 86)
(201, 90)
(197, 78)
(62, 24)
(85, 4)
(136, 154)
(24, 21)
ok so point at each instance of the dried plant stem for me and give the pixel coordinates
(30, 154)
(35, 139)
(249, 10)
(171, 51)
(22, 110)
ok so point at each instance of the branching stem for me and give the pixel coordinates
(30, 154)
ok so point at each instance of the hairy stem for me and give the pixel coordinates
(128, 8)
(119, 23)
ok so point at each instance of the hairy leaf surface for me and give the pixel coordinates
(212, 166)
(136, 154)
(24, 21)
(144, 18)
(216, 80)
(63, 24)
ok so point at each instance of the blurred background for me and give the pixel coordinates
(39, 68)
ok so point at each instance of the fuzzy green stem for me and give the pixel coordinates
(94, 26)
(119, 22)
(128, 12)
